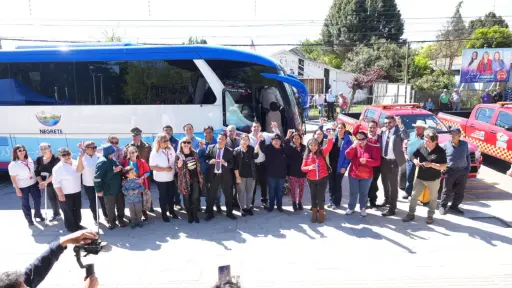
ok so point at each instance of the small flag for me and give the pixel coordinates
(253, 47)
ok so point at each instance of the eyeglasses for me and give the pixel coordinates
(21, 150)
(164, 141)
(114, 142)
(66, 155)
(44, 149)
(361, 139)
(92, 147)
(186, 142)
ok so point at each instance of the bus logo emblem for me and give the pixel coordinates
(48, 119)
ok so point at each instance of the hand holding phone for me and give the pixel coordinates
(224, 273)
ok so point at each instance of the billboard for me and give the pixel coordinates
(486, 65)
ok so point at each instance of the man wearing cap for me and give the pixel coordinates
(455, 100)
(414, 142)
(486, 97)
(68, 185)
(107, 183)
(456, 174)
(444, 100)
(144, 148)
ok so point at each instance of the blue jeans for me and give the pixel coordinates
(358, 187)
(275, 191)
(306, 113)
(34, 192)
(321, 110)
(410, 170)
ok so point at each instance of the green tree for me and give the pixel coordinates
(389, 57)
(111, 36)
(419, 66)
(490, 20)
(438, 80)
(451, 38)
(352, 22)
(195, 40)
(495, 37)
(312, 49)
(364, 81)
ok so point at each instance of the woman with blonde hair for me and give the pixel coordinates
(161, 161)
(190, 178)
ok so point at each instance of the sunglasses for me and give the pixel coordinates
(21, 150)
(114, 142)
(164, 141)
(186, 142)
(92, 147)
(66, 155)
(361, 139)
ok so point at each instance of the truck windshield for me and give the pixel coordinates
(432, 121)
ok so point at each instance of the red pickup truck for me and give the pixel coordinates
(409, 113)
(489, 126)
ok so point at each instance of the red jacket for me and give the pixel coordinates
(374, 141)
(320, 160)
(359, 170)
(143, 169)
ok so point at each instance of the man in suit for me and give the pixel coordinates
(233, 142)
(220, 166)
(391, 141)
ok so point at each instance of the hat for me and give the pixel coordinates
(64, 151)
(276, 137)
(455, 129)
(445, 90)
(136, 131)
(420, 123)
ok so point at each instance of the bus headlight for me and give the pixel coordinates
(478, 155)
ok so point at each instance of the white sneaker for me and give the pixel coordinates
(349, 212)
(363, 212)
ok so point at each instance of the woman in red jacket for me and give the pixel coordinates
(142, 169)
(363, 158)
(317, 172)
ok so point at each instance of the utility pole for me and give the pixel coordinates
(406, 76)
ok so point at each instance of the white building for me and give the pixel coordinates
(295, 62)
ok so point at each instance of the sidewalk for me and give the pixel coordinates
(283, 249)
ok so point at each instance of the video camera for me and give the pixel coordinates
(92, 248)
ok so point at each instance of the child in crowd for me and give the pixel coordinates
(132, 188)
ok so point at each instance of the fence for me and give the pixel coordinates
(468, 98)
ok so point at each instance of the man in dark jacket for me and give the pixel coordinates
(35, 273)
(107, 183)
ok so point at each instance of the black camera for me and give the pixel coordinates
(92, 248)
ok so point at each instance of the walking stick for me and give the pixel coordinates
(97, 214)
(45, 175)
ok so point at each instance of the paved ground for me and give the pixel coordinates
(286, 250)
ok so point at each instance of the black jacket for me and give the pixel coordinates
(41, 167)
(37, 271)
(275, 160)
(238, 159)
(227, 155)
(294, 157)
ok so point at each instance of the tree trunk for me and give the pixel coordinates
(351, 99)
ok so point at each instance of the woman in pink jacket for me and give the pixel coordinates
(363, 158)
(317, 171)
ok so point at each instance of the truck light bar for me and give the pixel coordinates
(404, 105)
(502, 104)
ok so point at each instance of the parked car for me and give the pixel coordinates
(489, 126)
(409, 113)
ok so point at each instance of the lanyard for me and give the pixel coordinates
(167, 155)
(25, 163)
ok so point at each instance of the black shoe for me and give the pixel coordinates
(173, 215)
(31, 223)
(456, 210)
(231, 216)
(166, 219)
(294, 206)
(299, 206)
(280, 209)
(264, 205)
(122, 223)
(388, 212)
(190, 217)
(209, 217)
(384, 204)
(219, 209)
(80, 227)
(199, 210)
(249, 212)
(270, 209)
(111, 227)
(151, 210)
(405, 197)
(196, 218)
(243, 213)
(372, 206)
(39, 218)
(443, 210)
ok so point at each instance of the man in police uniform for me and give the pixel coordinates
(143, 148)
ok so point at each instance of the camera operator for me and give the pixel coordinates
(35, 273)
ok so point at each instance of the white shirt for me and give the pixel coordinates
(319, 99)
(221, 150)
(24, 172)
(163, 159)
(89, 169)
(391, 154)
(254, 142)
(66, 177)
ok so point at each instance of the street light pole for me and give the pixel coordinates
(406, 76)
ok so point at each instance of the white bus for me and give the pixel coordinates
(63, 95)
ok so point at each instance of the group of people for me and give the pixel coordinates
(329, 100)
(451, 101)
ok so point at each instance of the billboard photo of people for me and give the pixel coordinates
(486, 65)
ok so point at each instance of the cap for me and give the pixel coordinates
(455, 129)
(136, 131)
(63, 151)
(276, 137)
(445, 90)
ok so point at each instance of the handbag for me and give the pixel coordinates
(146, 200)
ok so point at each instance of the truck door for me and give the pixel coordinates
(501, 136)
(478, 131)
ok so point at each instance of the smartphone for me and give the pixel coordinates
(224, 273)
